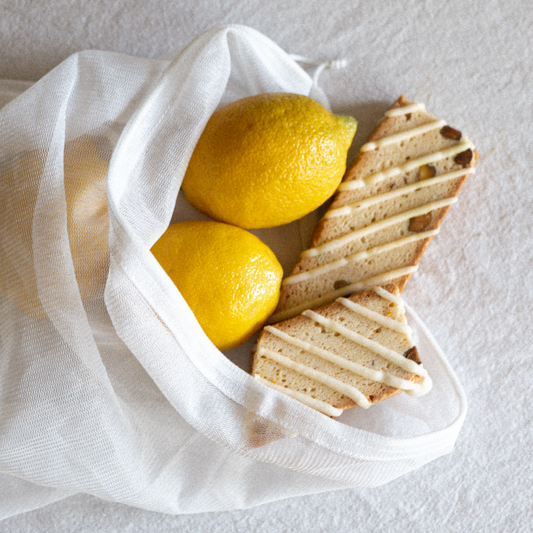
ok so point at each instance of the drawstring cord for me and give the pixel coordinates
(335, 64)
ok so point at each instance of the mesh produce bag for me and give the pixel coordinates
(108, 385)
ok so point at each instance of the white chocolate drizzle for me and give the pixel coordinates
(385, 321)
(376, 226)
(378, 376)
(388, 354)
(409, 166)
(403, 135)
(406, 109)
(348, 209)
(360, 256)
(335, 384)
(319, 405)
(380, 291)
(360, 286)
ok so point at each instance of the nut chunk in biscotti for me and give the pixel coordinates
(385, 212)
(354, 352)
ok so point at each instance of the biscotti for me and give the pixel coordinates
(354, 352)
(385, 212)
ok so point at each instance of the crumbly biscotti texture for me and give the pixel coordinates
(386, 211)
(355, 351)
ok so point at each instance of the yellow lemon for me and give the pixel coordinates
(85, 177)
(267, 160)
(229, 278)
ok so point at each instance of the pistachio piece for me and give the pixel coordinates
(450, 133)
(420, 223)
(464, 158)
(412, 354)
(340, 283)
(426, 171)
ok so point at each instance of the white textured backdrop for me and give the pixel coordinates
(472, 64)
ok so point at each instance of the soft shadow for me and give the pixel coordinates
(368, 115)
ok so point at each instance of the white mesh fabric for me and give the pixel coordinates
(108, 385)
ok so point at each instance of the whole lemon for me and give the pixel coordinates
(229, 278)
(267, 160)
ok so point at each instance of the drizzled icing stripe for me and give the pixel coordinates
(403, 135)
(348, 209)
(343, 291)
(386, 353)
(337, 385)
(407, 167)
(378, 376)
(318, 405)
(376, 226)
(387, 322)
(359, 256)
(411, 108)
(380, 291)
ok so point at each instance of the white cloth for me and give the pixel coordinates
(471, 63)
(118, 393)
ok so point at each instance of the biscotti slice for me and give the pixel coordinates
(354, 352)
(385, 212)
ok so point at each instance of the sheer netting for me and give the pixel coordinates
(108, 385)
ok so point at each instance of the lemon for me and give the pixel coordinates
(229, 278)
(85, 177)
(267, 160)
